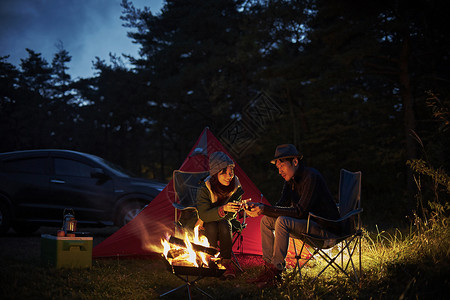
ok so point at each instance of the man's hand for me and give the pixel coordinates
(254, 209)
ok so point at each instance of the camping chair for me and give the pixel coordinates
(186, 185)
(350, 239)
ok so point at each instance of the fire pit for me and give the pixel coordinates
(184, 258)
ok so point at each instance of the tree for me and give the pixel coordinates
(62, 98)
(188, 63)
(114, 114)
(36, 73)
(369, 66)
(61, 78)
(9, 78)
(31, 113)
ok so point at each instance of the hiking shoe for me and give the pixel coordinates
(230, 271)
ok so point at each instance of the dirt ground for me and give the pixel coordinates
(18, 246)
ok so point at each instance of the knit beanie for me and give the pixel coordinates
(218, 161)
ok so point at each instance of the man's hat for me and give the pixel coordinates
(286, 151)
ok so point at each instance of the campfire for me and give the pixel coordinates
(192, 255)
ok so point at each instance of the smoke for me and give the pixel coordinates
(151, 236)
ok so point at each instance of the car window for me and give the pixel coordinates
(118, 170)
(70, 167)
(35, 165)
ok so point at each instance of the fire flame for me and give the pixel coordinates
(191, 255)
(187, 255)
(201, 240)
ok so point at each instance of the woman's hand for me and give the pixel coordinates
(254, 209)
(231, 207)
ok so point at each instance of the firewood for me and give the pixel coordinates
(196, 247)
(173, 253)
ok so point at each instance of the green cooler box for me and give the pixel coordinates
(66, 252)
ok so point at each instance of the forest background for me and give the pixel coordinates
(359, 85)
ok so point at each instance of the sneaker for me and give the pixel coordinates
(230, 271)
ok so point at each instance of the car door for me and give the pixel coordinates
(25, 180)
(73, 186)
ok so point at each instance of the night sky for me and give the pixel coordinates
(86, 28)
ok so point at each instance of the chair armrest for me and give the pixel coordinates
(348, 215)
(181, 207)
(351, 213)
(322, 218)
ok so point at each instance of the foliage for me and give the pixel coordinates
(348, 77)
(437, 175)
(440, 110)
(440, 180)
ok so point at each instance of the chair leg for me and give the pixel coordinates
(356, 247)
(236, 262)
(297, 265)
(237, 238)
(298, 256)
(349, 246)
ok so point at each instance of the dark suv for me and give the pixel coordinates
(36, 186)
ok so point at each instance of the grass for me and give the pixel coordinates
(396, 265)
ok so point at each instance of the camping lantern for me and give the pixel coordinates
(69, 222)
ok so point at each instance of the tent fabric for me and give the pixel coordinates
(142, 235)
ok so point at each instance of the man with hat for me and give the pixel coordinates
(304, 191)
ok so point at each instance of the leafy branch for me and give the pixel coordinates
(439, 109)
(438, 175)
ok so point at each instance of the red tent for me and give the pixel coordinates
(142, 236)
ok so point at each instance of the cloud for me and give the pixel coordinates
(87, 28)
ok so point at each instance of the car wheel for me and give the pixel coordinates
(129, 211)
(5, 218)
(24, 228)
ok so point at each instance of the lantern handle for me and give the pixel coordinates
(66, 209)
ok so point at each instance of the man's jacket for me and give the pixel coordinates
(306, 192)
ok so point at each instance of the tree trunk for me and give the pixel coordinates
(161, 142)
(293, 117)
(408, 107)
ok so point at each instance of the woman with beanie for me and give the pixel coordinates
(217, 204)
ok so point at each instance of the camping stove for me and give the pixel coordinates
(184, 271)
(213, 270)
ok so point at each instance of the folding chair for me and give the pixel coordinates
(186, 185)
(350, 239)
